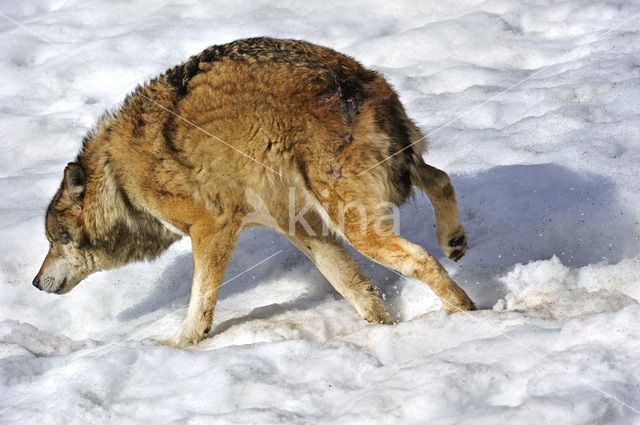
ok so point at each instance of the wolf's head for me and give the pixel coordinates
(92, 225)
(71, 257)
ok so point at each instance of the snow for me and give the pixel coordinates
(531, 106)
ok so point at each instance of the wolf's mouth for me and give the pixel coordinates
(48, 286)
(61, 289)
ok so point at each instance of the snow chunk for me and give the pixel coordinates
(549, 285)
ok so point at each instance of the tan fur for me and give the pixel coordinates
(264, 117)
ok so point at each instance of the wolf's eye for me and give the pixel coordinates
(64, 238)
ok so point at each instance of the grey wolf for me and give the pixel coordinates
(258, 116)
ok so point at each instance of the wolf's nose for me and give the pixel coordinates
(36, 282)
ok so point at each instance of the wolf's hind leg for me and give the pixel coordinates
(213, 242)
(437, 185)
(338, 267)
(367, 230)
(411, 260)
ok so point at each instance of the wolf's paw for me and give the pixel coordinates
(172, 342)
(456, 245)
(185, 336)
(380, 317)
(464, 304)
(177, 341)
(375, 313)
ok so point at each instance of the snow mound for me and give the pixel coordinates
(552, 288)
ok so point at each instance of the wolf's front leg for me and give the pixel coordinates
(212, 243)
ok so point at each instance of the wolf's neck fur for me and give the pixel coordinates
(111, 218)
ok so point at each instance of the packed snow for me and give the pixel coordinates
(532, 107)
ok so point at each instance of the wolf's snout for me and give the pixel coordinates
(49, 284)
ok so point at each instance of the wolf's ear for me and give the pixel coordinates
(74, 182)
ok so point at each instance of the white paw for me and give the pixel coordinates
(186, 335)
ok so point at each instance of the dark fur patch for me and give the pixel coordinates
(390, 118)
(126, 200)
(447, 191)
(168, 133)
(178, 77)
(138, 126)
(461, 240)
(346, 92)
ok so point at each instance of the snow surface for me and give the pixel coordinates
(547, 175)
